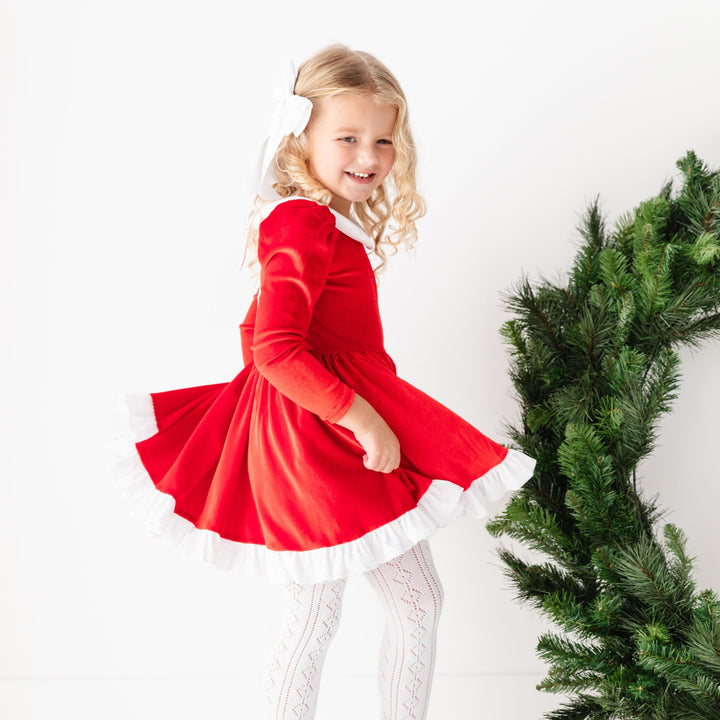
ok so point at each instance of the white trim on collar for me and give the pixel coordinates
(343, 224)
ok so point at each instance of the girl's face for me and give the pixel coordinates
(350, 150)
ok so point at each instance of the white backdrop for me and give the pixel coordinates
(127, 129)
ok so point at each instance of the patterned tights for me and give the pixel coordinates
(411, 594)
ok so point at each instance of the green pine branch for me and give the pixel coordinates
(594, 364)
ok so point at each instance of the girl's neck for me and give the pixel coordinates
(342, 206)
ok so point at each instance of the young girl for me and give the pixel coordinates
(317, 461)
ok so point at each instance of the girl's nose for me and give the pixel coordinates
(368, 155)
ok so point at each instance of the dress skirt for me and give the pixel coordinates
(255, 474)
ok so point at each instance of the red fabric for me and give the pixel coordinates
(295, 249)
(259, 459)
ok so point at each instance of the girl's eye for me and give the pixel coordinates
(351, 139)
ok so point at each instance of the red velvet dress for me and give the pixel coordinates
(254, 474)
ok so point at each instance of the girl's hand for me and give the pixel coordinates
(382, 448)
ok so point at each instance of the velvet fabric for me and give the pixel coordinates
(259, 461)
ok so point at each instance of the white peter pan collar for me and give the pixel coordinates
(343, 224)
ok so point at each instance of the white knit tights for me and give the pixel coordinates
(410, 592)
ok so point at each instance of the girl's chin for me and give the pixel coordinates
(350, 192)
(359, 194)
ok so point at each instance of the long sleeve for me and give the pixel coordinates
(295, 250)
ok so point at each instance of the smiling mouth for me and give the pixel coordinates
(360, 177)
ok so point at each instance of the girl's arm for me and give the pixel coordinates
(295, 250)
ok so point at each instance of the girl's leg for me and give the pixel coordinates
(411, 593)
(293, 676)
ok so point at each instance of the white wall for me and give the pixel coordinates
(126, 132)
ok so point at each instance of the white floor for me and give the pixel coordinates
(470, 697)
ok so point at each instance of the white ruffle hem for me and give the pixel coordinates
(442, 503)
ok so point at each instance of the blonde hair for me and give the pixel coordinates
(338, 70)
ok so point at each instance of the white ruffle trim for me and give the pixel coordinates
(442, 503)
(510, 475)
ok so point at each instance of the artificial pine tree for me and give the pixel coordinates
(595, 366)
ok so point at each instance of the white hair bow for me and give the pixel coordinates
(291, 115)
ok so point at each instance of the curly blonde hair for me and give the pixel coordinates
(338, 70)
